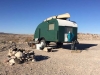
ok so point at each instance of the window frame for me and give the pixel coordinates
(52, 27)
(67, 29)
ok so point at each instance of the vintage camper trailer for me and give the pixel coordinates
(56, 29)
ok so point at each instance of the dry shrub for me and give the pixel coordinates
(28, 39)
(16, 40)
(3, 41)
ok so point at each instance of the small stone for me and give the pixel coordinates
(33, 60)
(13, 57)
(45, 49)
(12, 62)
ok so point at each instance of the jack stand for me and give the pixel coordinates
(74, 47)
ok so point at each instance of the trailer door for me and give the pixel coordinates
(67, 30)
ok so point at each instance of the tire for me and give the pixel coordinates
(43, 42)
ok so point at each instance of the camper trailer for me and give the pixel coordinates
(58, 29)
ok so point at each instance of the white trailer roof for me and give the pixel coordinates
(66, 23)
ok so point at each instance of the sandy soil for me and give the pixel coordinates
(59, 62)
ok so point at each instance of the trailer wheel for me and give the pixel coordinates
(44, 42)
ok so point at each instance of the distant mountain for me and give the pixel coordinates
(10, 36)
(13, 33)
(32, 34)
(5, 33)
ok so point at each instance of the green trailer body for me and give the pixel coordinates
(56, 30)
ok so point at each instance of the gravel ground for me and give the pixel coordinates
(59, 62)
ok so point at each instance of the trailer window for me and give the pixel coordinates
(67, 29)
(51, 26)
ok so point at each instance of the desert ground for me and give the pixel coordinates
(61, 61)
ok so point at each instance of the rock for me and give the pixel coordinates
(33, 60)
(11, 52)
(11, 61)
(18, 61)
(32, 56)
(47, 49)
(19, 54)
(13, 57)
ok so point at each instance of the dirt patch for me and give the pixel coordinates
(60, 61)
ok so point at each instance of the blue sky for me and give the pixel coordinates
(23, 16)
